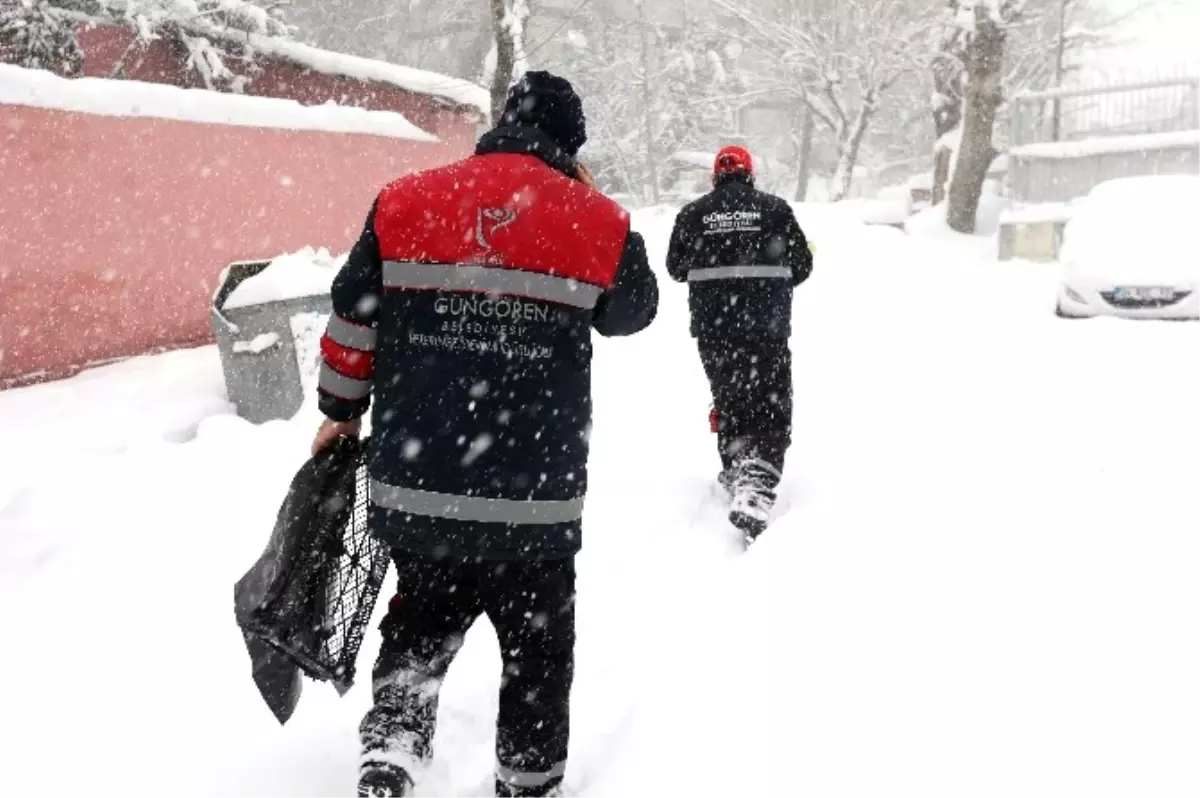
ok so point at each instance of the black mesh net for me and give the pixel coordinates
(311, 595)
(351, 576)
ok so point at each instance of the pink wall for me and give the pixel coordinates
(113, 230)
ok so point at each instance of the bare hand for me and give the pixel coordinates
(331, 430)
(585, 175)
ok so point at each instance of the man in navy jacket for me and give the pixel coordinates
(741, 252)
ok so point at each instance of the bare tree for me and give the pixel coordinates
(984, 27)
(597, 52)
(803, 143)
(507, 60)
(655, 82)
(840, 59)
(451, 37)
(990, 50)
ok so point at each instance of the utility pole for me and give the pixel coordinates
(804, 162)
(1059, 55)
(647, 118)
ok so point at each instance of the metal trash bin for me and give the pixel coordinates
(260, 346)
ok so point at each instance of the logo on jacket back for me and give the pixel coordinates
(489, 220)
(732, 222)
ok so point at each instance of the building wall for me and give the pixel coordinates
(113, 230)
(1033, 179)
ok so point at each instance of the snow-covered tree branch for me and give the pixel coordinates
(990, 50)
(34, 34)
(653, 92)
(451, 37)
(840, 59)
(210, 32)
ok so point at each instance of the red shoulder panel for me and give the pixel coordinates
(506, 210)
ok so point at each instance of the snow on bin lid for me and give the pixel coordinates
(306, 272)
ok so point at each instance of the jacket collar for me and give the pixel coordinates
(526, 140)
(734, 179)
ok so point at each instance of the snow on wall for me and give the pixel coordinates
(460, 92)
(1033, 213)
(1114, 144)
(128, 98)
(256, 21)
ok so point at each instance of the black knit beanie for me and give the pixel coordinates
(548, 103)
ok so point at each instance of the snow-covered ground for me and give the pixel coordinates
(984, 584)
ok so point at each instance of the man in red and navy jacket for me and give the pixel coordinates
(463, 319)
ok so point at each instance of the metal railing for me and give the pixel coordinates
(1156, 106)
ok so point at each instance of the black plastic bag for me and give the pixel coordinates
(304, 606)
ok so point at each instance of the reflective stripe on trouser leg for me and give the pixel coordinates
(533, 612)
(520, 778)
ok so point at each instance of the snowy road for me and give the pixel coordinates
(986, 583)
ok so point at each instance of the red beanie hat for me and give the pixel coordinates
(733, 159)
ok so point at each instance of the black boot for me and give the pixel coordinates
(550, 790)
(383, 780)
(725, 480)
(753, 498)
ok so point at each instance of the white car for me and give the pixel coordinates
(1132, 249)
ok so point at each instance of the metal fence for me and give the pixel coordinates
(1158, 106)
(1049, 162)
